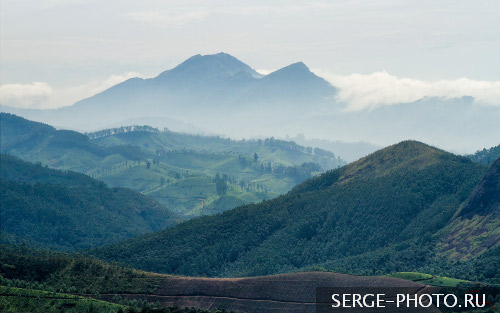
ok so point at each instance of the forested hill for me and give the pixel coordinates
(71, 211)
(390, 205)
(268, 150)
(189, 174)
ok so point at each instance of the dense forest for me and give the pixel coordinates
(391, 205)
(70, 211)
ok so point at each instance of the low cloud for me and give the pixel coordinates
(368, 92)
(39, 95)
(25, 95)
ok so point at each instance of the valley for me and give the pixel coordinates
(188, 174)
(162, 220)
(249, 156)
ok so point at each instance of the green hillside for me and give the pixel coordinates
(177, 170)
(476, 226)
(390, 205)
(71, 211)
(269, 150)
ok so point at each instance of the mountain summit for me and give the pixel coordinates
(208, 66)
(200, 90)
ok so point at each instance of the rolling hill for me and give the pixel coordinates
(178, 170)
(381, 214)
(71, 211)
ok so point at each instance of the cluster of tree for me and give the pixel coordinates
(486, 156)
(221, 184)
(292, 146)
(298, 173)
(121, 130)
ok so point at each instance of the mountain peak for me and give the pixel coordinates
(211, 65)
(298, 68)
(298, 65)
(401, 156)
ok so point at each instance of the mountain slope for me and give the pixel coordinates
(476, 227)
(397, 195)
(36, 142)
(70, 211)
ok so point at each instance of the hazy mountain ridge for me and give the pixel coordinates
(204, 86)
(220, 94)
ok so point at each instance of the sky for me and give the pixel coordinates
(56, 52)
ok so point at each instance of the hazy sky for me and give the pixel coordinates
(55, 52)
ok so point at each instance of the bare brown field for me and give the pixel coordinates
(283, 293)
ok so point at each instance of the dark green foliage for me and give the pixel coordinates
(396, 199)
(14, 169)
(71, 211)
(486, 196)
(70, 273)
(485, 156)
(47, 281)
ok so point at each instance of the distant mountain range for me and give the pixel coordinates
(220, 94)
(200, 89)
(407, 207)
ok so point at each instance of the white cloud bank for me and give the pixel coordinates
(39, 95)
(368, 92)
(25, 95)
(358, 91)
